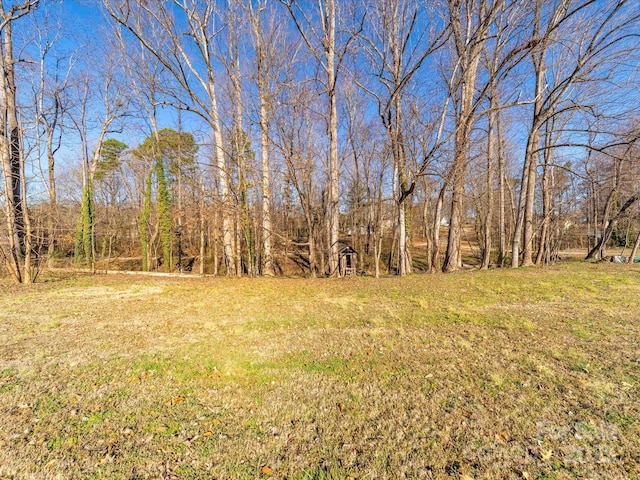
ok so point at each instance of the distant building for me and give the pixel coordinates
(348, 261)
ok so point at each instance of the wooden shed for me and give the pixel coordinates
(347, 261)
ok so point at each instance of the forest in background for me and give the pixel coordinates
(255, 137)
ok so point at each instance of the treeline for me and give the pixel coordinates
(250, 137)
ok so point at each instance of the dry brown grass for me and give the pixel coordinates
(500, 374)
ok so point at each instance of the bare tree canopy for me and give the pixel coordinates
(423, 136)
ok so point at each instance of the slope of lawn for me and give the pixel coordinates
(529, 373)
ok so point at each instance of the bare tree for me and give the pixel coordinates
(399, 44)
(265, 40)
(190, 59)
(240, 143)
(114, 104)
(495, 160)
(17, 256)
(322, 43)
(51, 85)
(471, 21)
(595, 31)
(296, 138)
(617, 187)
(364, 171)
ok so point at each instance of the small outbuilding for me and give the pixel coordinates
(347, 261)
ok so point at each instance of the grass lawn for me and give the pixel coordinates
(529, 373)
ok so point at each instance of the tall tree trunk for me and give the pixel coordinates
(202, 225)
(426, 227)
(164, 214)
(244, 239)
(452, 257)
(15, 192)
(525, 224)
(180, 231)
(469, 40)
(404, 191)
(10, 157)
(311, 238)
(544, 240)
(145, 217)
(634, 251)
(491, 151)
(28, 272)
(437, 221)
(53, 207)
(544, 244)
(542, 111)
(225, 184)
(334, 192)
(378, 235)
(502, 224)
(524, 221)
(528, 225)
(267, 259)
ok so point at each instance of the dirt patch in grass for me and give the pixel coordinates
(500, 374)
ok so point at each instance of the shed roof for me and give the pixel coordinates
(343, 249)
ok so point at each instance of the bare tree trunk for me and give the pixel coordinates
(502, 224)
(404, 191)
(237, 241)
(225, 185)
(544, 244)
(427, 228)
(378, 236)
(592, 217)
(15, 192)
(395, 67)
(10, 162)
(526, 201)
(452, 255)
(469, 41)
(215, 222)
(244, 231)
(53, 207)
(634, 251)
(377, 250)
(28, 271)
(322, 45)
(437, 220)
(524, 228)
(544, 240)
(401, 222)
(202, 225)
(598, 251)
(311, 238)
(334, 193)
(17, 260)
(267, 260)
(491, 150)
(403, 267)
(530, 198)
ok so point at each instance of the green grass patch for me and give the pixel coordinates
(529, 373)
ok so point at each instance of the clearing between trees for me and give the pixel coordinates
(528, 373)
